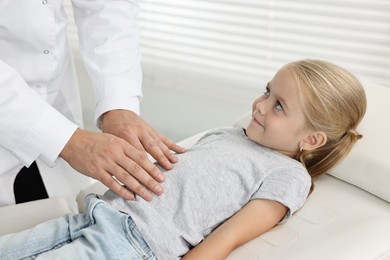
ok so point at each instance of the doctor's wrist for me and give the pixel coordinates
(115, 117)
(69, 147)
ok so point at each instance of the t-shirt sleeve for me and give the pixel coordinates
(289, 187)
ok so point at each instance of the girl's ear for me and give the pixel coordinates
(313, 141)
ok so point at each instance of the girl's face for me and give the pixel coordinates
(277, 119)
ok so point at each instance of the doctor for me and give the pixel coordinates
(40, 111)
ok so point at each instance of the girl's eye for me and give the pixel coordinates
(278, 106)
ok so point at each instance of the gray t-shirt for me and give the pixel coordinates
(211, 181)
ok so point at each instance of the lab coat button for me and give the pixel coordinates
(44, 2)
(46, 51)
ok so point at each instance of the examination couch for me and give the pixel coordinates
(346, 217)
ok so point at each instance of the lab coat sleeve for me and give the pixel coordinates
(109, 46)
(29, 127)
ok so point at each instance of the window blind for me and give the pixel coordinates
(236, 45)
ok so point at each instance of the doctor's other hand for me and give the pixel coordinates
(103, 156)
(129, 126)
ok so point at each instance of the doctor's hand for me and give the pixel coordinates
(132, 128)
(104, 156)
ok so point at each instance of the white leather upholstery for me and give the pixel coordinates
(339, 221)
(26, 215)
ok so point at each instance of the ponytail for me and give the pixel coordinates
(320, 160)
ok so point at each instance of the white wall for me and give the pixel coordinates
(179, 115)
(172, 112)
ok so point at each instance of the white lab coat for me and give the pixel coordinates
(39, 97)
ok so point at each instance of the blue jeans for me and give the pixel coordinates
(101, 233)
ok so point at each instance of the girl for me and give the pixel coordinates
(230, 187)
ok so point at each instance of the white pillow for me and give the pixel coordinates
(368, 164)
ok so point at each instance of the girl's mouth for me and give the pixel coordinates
(256, 121)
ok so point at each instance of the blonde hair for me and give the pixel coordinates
(334, 102)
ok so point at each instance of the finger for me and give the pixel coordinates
(171, 145)
(166, 151)
(167, 146)
(135, 142)
(140, 182)
(159, 151)
(133, 182)
(138, 173)
(163, 158)
(140, 159)
(108, 180)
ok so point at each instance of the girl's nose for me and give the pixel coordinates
(261, 107)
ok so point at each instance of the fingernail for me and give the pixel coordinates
(161, 177)
(147, 195)
(168, 162)
(158, 189)
(130, 197)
